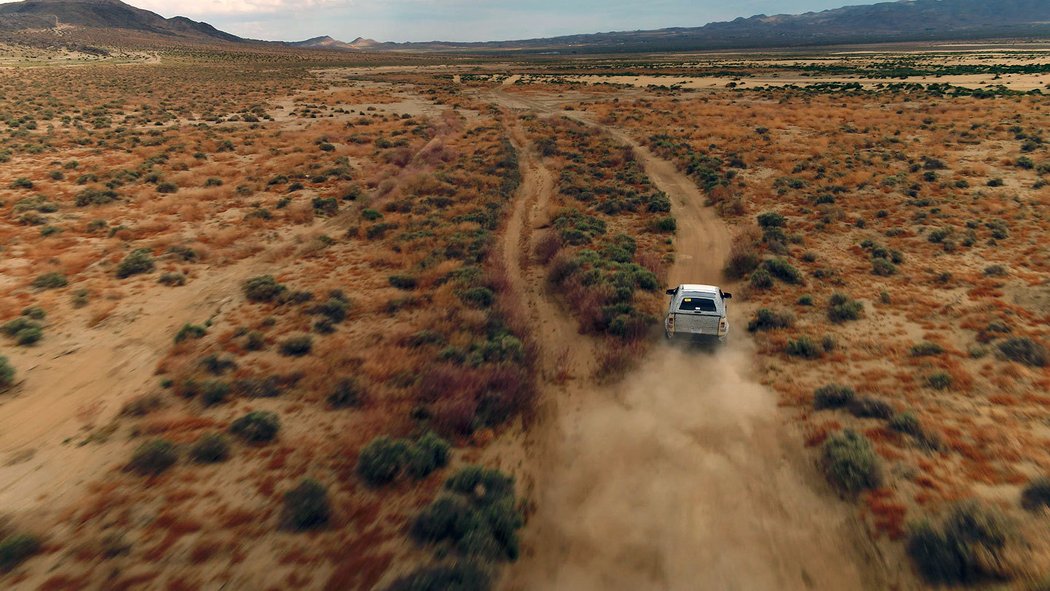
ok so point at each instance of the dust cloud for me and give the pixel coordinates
(678, 478)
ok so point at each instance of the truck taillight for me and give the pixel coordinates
(723, 326)
(670, 324)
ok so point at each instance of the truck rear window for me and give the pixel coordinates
(698, 305)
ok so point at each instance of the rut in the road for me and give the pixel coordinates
(682, 476)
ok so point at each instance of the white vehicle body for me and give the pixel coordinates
(697, 312)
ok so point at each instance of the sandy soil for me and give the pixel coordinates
(682, 476)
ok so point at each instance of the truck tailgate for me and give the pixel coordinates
(696, 323)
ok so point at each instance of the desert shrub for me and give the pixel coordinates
(346, 393)
(803, 347)
(405, 282)
(782, 270)
(907, 423)
(29, 335)
(263, 288)
(883, 267)
(7, 374)
(761, 279)
(429, 453)
(137, 262)
(766, 319)
(841, 308)
(257, 427)
(866, 407)
(214, 392)
(478, 297)
(50, 281)
(210, 449)
(926, 349)
(850, 463)
(968, 546)
(939, 381)
(306, 506)
(382, 460)
(167, 188)
(153, 457)
(296, 346)
(1036, 494)
(805, 300)
(460, 576)
(1025, 351)
(771, 220)
(995, 271)
(255, 341)
(666, 225)
(334, 309)
(832, 396)
(190, 331)
(173, 279)
(16, 549)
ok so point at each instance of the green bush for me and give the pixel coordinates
(382, 460)
(939, 381)
(883, 267)
(1036, 494)
(429, 453)
(16, 549)
(405, 282)
(296, 346)
(306, 506)
(771, 220)
(263, 288)
(257, 427)
(210, 449)
(173, 279)
(459, 576)
(190, 331)
(865, 407)
(1025, 351)
(842, 309)
(766, 319)
(50, 281)
(926, 349)
(214, 392)
(907, 423)
(665, 225)
(969, 546)
(803, 347)
(832, 396)
(850, 463)
(7, 373)
(761, 279)
(782, 270)
(137, 262)
(153, 457)
(346, 393)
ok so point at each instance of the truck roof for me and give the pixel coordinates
(699, 288)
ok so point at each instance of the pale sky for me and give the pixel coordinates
(464, 20)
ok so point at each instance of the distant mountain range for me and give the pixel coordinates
(906, 20)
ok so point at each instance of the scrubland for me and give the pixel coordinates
(256, 327)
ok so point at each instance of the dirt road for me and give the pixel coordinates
(682, 476)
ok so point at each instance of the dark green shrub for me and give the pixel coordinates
(926, 349)
(405, 282)
(907, 423)
(968, 546)
(257, 427)
(210, 449)
(866, 407)
(1025, 351)
(297, 346)
(666, 225)
(306, 506)
(883, 267)
(173, 279)
(766, 319)
(382, 460)
(137, 262)
(478, 297)
(346, 393)
(806, 300)
(461, 576)
(255, 341)
(428, 454)
(167, 188)
(16, 549)
(7, 374)
(832, 396)
(761, 279)
(771, 220)
(481, 484)
(850, 463)
(263, 288)
(333, 309)
(190, 331)
(29, 335)
(842, 309)
(214, 392)
(50, 281)
(939, 381)
(34, 313)
(1036, 494)
(153, 457)
(782, 270)
(803, 347)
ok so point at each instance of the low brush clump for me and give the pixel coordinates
(970, 545)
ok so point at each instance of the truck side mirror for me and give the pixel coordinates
(671, 291)
(727, 296)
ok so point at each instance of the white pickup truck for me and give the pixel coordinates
(697, 312)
